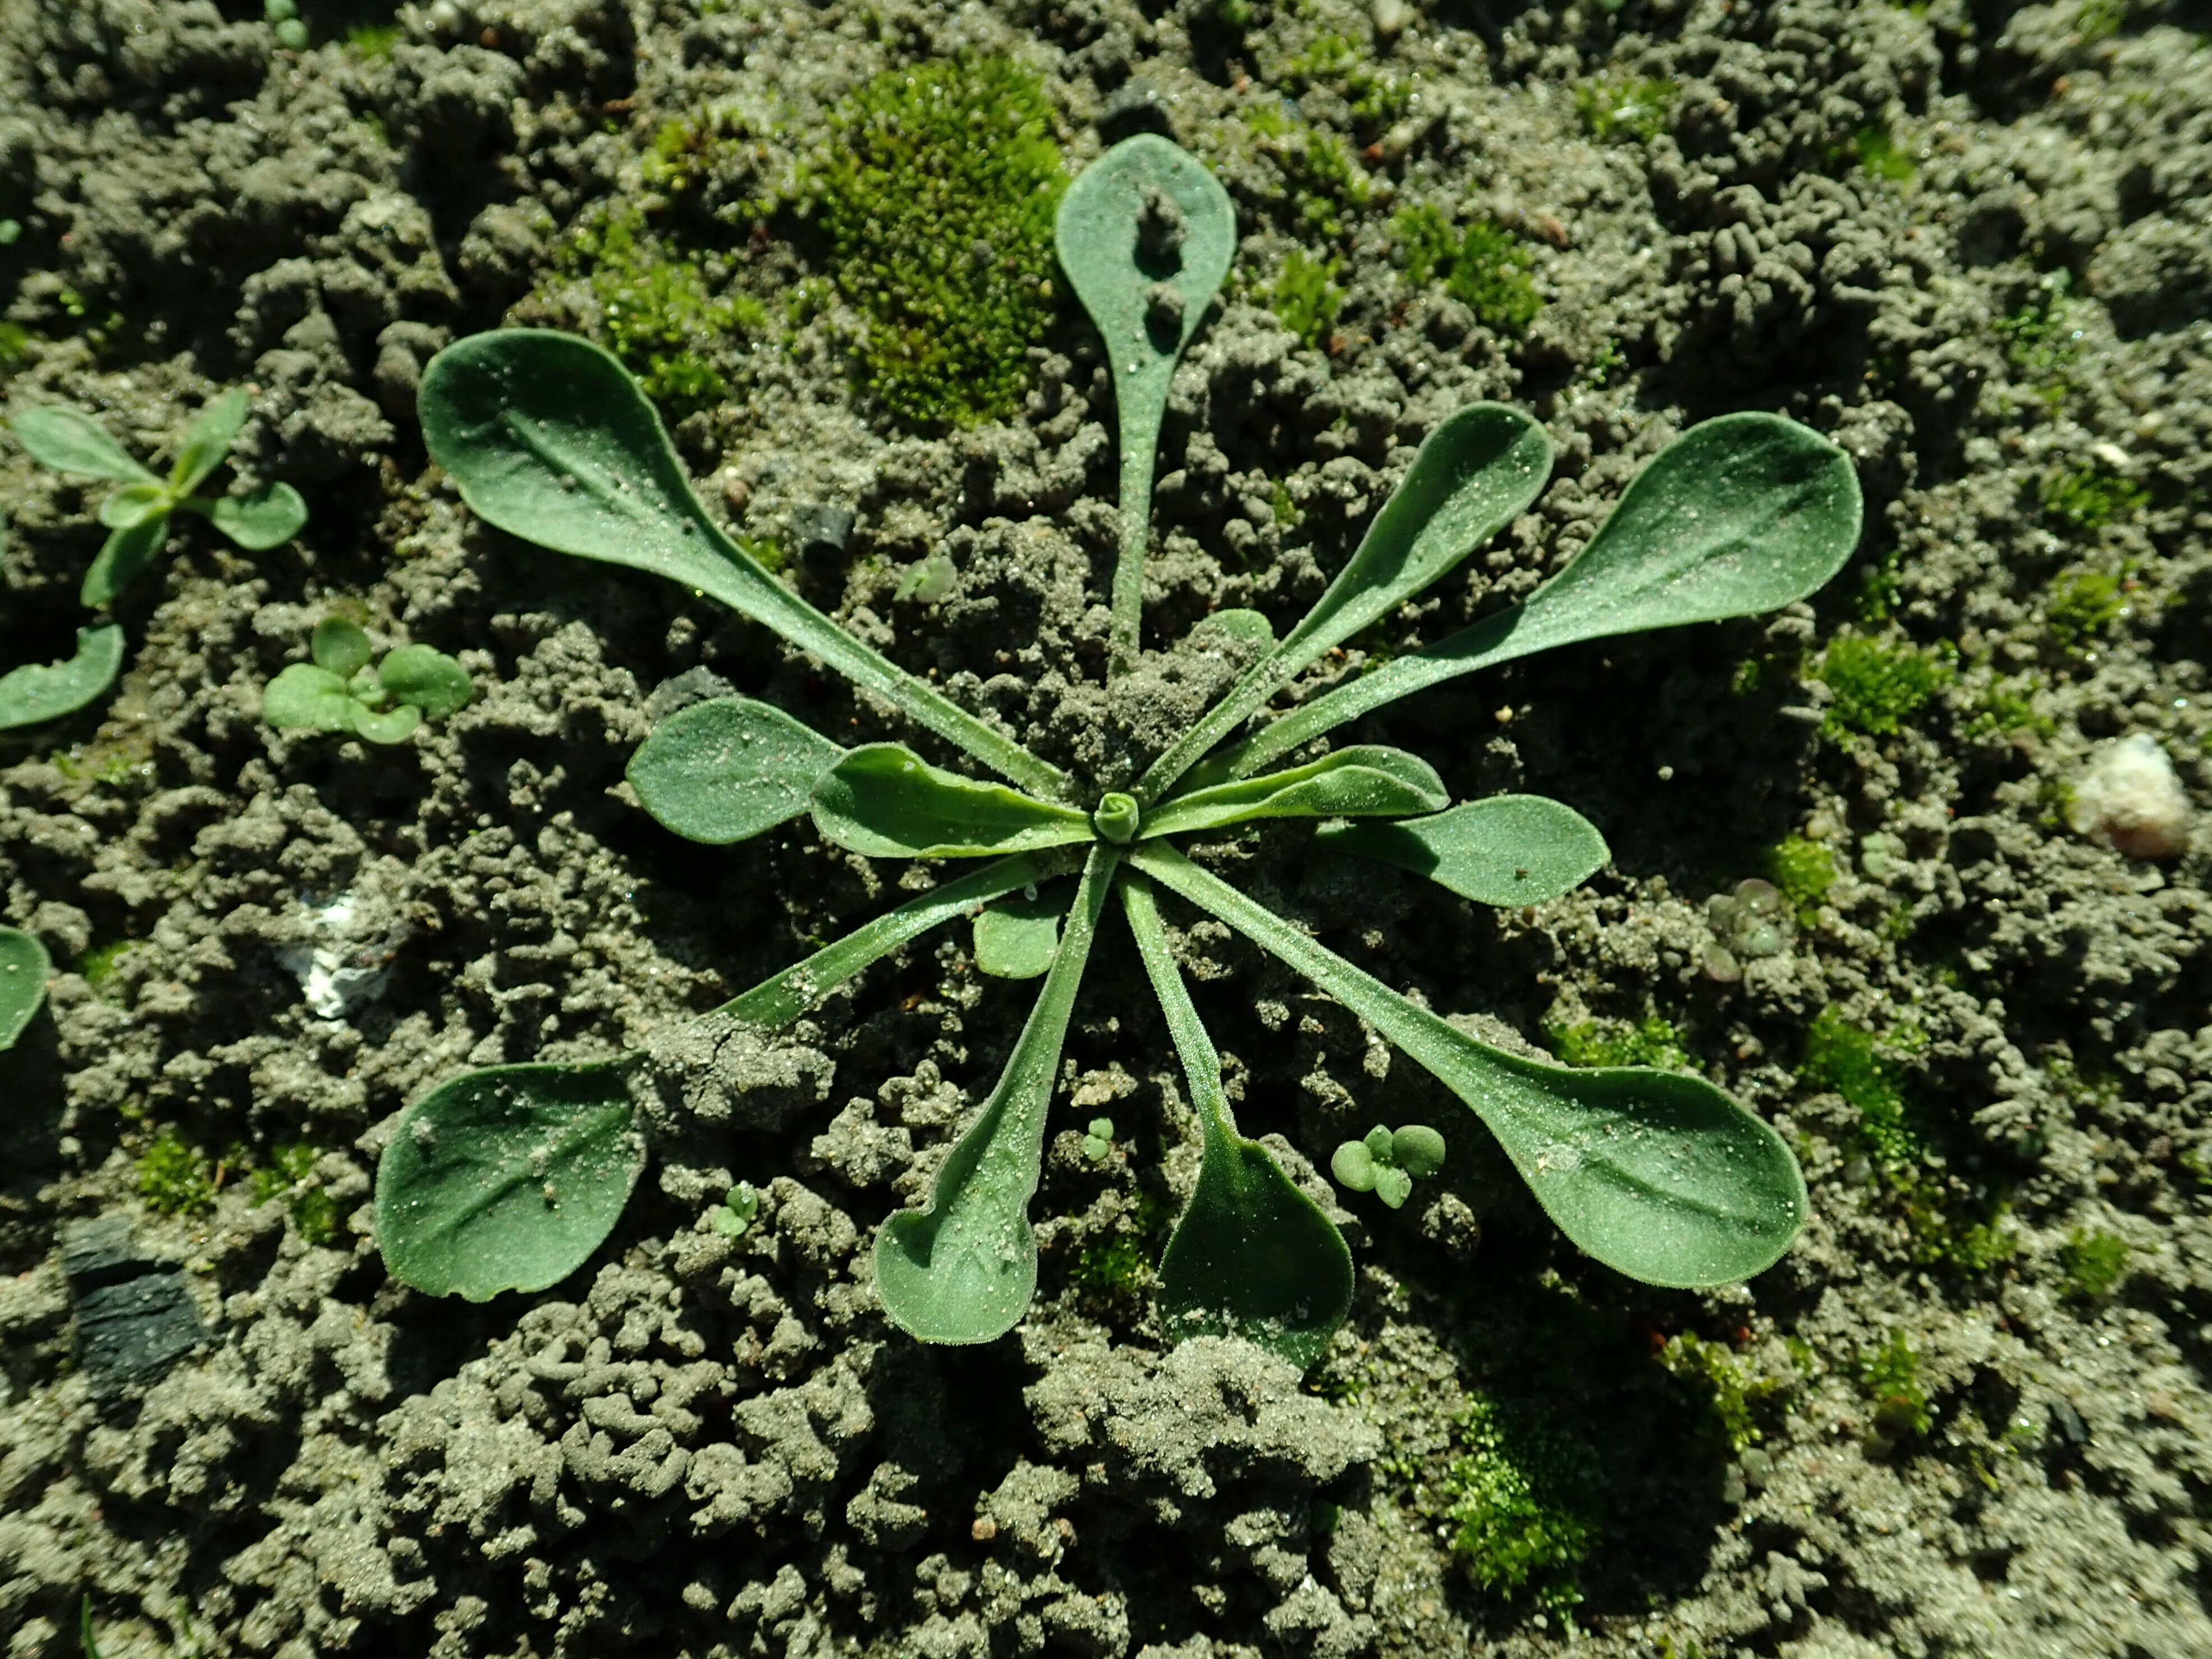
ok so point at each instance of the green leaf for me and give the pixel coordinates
(385, 725)
(1368, 780)
(1252, 1256)
(1393, 1186)
(1742, 513)
(964, 1269)
(1472, 477)
(134, 504)
(269, 518)
(550, 439)
(1016, 936)
(728, 769)
(24, 970)
(207, 444)
(782, 997)
(428, 679)
(1418, 1149)
(1506, 850)
(306, 698)
(1238, 624)
(340, 646)
(126, 553)
(37, 692)
(1657, 1175)
(70, 442)
(884, 800)
(507, 1179)
(1353, 1167)
(1145, 235)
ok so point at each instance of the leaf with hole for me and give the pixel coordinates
(37, 692)
(1362, 781)
(884, 800)
(728, 769)
(507, 1179)
(1505, 850)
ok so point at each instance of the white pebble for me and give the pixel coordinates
(2130, 799)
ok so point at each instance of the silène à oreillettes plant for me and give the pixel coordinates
(509, 1177)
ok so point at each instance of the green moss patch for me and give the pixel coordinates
(1484, 265)
(1878, 685)
(656, 305)
(1520, 1502)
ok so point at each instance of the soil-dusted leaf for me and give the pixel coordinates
(134, 504)
(1742, 513)
(24, 970)
(727, 768)
(383, 725)
(1364, 781)
(551, 438)
(1016, 936)
(306, 698)
(1145, 235)
(207, 444)
(884, 800)
(1472, 477)
(268, 518)
(1506, 850)
(1252, 1256)
(1659, 1175)
(507, 1179)
(122, 557)
(340, 646)
(44, 691)
(427, 677)
(781, 998)
(964, 1269)
(70, 442)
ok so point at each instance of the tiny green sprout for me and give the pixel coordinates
(1387, 1163)
(735, 1213)
(1098, 1142)
(84, 1635)
(510, 1178)
(24, 970)
(283, 17)
(137, 516)
(340, 691)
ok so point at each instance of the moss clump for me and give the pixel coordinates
(2081, 606)
(290, 1176)
(2007, 706)
(1651, 1041)
(2096, 1261)
(1334, 60)
(1306, 297)
(1519, 1498)
(938, 201)
(99, 966)
(1112, 1276)
(1890, 1377)
(1846, 1058)
(1625, 109)
(1737, 1396)
(656, 305)
(2089, 497)
(174, 1177)
(2041, 338)
(1879, 155)
(1320, 178)
(372, 40)
(1804, 871)
(1877, 686)
(1485, 266)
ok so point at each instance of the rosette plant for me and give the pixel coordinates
(509, 1177)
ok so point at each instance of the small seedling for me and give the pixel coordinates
(1098, 1142)
(510, 1178)
(340, 691)
(1387, 1164)
(24, 970)
(735, 1213)
(283, 17)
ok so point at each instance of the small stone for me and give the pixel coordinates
(1721, 965)
(1390, 18)
(816, 529)
(2130, 799)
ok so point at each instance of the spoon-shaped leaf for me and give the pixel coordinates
(382, 725)
(1252, 1256)
(783, 997)
(1015, 936)
(1471, 479)
(427, 677)
(306, 698)
(1742, 513)
(728, 769)
(208, 442)
(24, 970)
(1365, 782)
(508, 1178)
(340, 646)
(46, 691)
(268, 518)
(122, 557)
(551, 438)
(1145, 235)
(1660, 1176)
(964, 1269)
(1506, 850)
(70, 442)
(884, 800)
